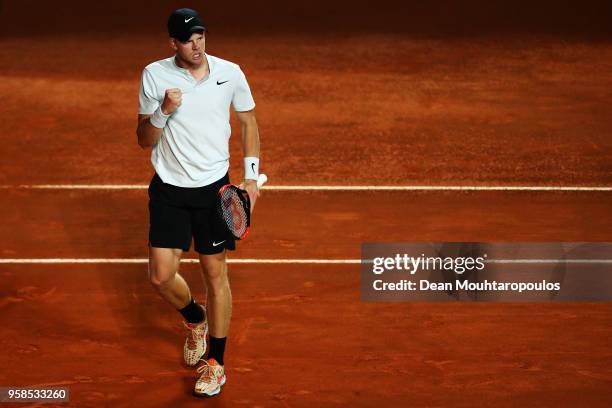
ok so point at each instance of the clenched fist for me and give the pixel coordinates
(172, 100)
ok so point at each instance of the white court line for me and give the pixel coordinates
(271, 261)
(320, 188)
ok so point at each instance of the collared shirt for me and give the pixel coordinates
(193, 150)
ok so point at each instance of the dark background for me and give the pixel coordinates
(438, 17)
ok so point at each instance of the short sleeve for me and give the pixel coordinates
(147, 97)
(242, 98)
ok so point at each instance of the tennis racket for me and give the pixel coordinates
(234, 208)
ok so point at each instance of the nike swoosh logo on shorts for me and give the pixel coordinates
(218, 243)
(188, 19)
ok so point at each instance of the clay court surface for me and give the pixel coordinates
(379, 107)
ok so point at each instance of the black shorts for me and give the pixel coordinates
(178, 214)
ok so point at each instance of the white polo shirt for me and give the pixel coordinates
(193, 150)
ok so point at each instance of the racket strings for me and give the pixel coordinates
(233, 212)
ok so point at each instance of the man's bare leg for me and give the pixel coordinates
(219, 302)
(163, 273)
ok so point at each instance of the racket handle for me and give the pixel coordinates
(261, 180)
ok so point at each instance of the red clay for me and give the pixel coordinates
(435, 93)
(114, 224)
(359, 109)
(300, 337)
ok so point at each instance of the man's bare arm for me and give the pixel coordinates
(147, 134)
(250, 148)
(250, 133)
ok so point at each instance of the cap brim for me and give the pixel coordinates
(196, 29)
(190, 31)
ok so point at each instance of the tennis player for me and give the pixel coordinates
(184, 116)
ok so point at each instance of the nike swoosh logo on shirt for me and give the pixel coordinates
(218, 243)
(221, 83)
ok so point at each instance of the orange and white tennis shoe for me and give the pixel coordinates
(195, 343)
(212, 378)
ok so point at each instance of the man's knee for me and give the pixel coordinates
(161, 278)
(163, 267)
(215, 272)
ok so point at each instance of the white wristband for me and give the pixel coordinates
(251, 168)
(159, 119)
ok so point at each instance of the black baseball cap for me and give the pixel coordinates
(184, 22)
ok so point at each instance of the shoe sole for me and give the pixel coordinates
(205, 395)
